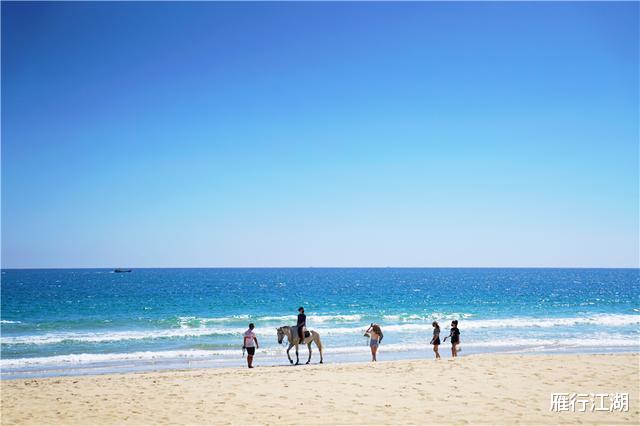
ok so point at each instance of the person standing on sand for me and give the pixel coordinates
(435, 341)
(250, 343)
(375, 337)
(455, 338)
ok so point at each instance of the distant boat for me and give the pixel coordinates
(120, 270)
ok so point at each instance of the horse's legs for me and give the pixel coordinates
(288, 349)
(297, 359)
(319, 345)
(309, 346)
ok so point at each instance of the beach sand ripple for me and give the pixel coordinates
(482, 389)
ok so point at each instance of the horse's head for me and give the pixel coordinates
(280, 335)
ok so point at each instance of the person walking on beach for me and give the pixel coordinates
(374, 332)
(435, 341)
(250, 343)
(455, 338)
(302, 324)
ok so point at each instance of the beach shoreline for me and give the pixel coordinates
(473, 389)
(156, 362)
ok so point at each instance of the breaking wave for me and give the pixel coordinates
(531, 344)
(324, 328)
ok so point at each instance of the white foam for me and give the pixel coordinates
(282, 318)
(94, 358)
(285, 319)
(98, 337)
(434, 316)
(233, 318)
(595, 341)
(391, 317)
(338, 318)
(312, 318)
(10, 322)
(607, 320)
(603, 320)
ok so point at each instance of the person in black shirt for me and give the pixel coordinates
(435, 341)
(302, 323)
(455, 338)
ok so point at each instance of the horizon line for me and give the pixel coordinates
(321, 267)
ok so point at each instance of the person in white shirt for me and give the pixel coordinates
(250, 343)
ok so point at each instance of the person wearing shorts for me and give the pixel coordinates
(435, 341)
(455, 338)
(250, 343)
(375, 337)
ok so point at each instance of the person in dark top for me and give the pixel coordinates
(302, 323)
(435, 341)
(455, 338)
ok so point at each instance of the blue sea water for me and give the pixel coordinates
(89, 321)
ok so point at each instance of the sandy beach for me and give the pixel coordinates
(483, 389)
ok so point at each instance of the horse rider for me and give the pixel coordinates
(302, 324)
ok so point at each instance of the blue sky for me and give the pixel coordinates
(320, 134)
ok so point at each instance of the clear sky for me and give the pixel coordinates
(322, 134)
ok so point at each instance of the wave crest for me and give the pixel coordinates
(603, 320)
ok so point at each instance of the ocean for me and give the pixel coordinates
(93, 321)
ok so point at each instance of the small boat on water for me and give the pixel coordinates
(120, 270)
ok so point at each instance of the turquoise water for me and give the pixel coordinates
(86, 321)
